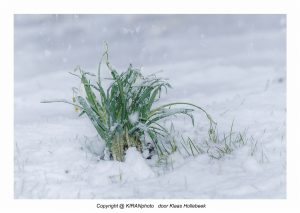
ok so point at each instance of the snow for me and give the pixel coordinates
(138, 168)
(134, 117)
(233, 66)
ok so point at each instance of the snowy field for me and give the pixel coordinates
(234, 66)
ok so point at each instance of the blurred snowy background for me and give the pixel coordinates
(232, 65)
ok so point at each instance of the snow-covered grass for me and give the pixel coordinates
(239, 76)
(123, 113)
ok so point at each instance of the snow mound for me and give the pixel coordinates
(138, 169)
(95, 145)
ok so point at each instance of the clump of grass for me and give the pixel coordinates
(217, 145)
(176, 142)
(190, 147)
(124, 114)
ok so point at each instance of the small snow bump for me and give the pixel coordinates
(134, 117)
(136, 163)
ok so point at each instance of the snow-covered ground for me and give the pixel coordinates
(234, 66)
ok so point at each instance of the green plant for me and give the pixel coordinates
(218, 146)
(190, 147)
(184, 145)
(124, 113)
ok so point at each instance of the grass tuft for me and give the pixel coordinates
(218, 145)
(124, 114)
